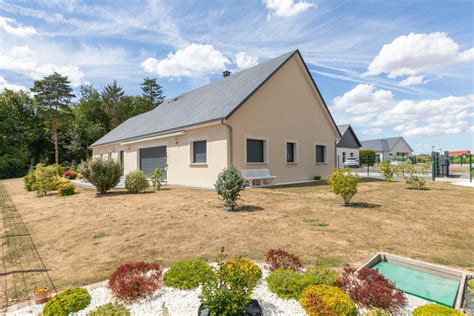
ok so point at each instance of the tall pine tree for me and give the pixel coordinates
(152, 92)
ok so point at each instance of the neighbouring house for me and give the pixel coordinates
(347, 146)
(388, 148)
(270, 116)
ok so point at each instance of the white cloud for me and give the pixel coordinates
(412, 81)
(5, 85)
(286, 8)
(22, 60)
(192, 61)
(418, 53)
(372, 131)
(11, 27)
(364, 99)
(377, 108)
(242, 60)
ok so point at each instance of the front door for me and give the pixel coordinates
(152, 158)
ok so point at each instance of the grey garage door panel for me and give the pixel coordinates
(152, 158)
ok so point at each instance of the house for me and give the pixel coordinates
(388, 148)
(347, 146)
(270, 116)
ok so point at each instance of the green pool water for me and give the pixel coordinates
(421, 284)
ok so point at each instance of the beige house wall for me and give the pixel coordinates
(286, 108)
(181, 170)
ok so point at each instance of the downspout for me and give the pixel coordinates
(230, 159)
(336, 162)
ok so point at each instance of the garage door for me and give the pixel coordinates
(152, 158)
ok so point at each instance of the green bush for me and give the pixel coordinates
(136, 182)
(45, 179)
(376, 312)
(65, 187)
(287, 283)
(435, 309)
(344, 182)
(104, 174)
(110, 309)
(229, 185)
(327, 300)
(66, 302)
(412, 174)
(157, 178)
(29, 181)
(317, 178)
(187, 274)
(228, 291)
(387, 170)
(59, 169)
(367, 157)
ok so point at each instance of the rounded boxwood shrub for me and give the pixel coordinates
(66, 302)
(435, 309)
(136, 182)
(320, 275)
(279, 258)
(285, 283)
(65, 187)
(187, 274)
(326, 300)
(29, 181)
(244, 269)
(135, 280)
(110, 309)
(103, 174)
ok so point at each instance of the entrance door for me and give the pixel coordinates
(152, 158)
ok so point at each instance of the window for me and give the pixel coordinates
(255, 151)
(320, 154)
(343, 157)
(199, 151)
(290, 152)
(121, 160)
(352, 155)
(109, 155)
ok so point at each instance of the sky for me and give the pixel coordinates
(388, 68)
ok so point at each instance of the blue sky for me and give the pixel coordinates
(387, 67)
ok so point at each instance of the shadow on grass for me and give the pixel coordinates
(297, 185)
(364, 205)
(120, 193)
(248, 209)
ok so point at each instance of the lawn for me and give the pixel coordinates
(82, 238)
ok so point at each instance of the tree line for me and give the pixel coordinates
(50, 124)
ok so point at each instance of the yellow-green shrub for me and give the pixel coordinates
(65, 187)
(136, 181)
(326, 300)
(45, 179)
(435, 309)
(110, 309)
(66, 302)
(187, 274)
(243, 268)
(344, 182)
(29, 181)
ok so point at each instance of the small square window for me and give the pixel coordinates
(320, 154)
(290, 152)
(255, 151)
(200, 151)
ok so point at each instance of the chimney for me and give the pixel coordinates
(226, 73)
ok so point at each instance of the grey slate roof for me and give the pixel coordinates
(343, 128)
(382, 144)
(214, 101)
(347, 139)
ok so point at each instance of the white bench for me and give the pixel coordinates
(257, 175)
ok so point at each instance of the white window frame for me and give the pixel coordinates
(191, 151)
(325, 153)
(295, 153)
(265, 149)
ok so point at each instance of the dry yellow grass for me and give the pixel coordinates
(82, 238)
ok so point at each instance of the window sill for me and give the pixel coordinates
(321, 163)
(291, 163)
(255, 163)
(198, 164)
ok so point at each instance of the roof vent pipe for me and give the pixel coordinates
(226, 73)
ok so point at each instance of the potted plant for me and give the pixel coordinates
(41, 295)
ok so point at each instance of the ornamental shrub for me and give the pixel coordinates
(45, 179)
(376, 312)
(387, 170)
(326, 300)
(65, 187)
(413, 175)
(29, 181)
(228, 291)
(136, 182)
(229, 185)
(104, 174)
(59, 169)
(279, 258)
(66, 302)
(344, 182)
(435, 309)
(320, 275)
(187, 274)
(110, 309)
(70, 174)
(285, 283)
(135, 280)
(157, 178)
(370, 289)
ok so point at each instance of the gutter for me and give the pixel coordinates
(230, 159)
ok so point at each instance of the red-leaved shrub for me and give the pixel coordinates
(279, 258)
(368, 288)
(135, 280)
